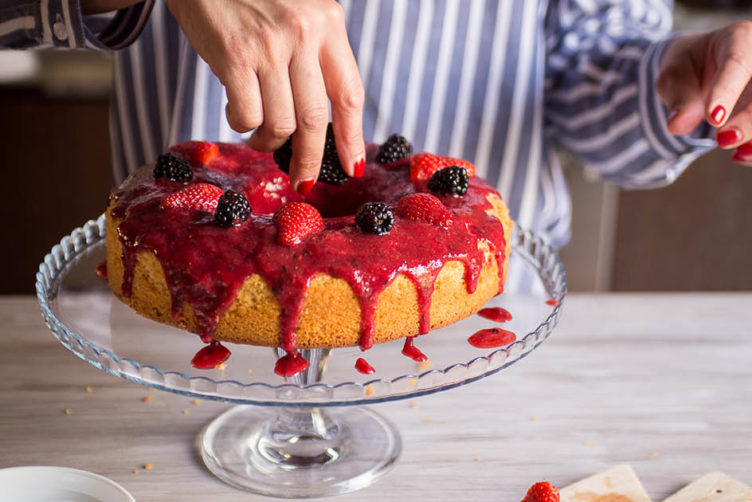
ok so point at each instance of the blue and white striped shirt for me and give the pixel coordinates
(501, 83)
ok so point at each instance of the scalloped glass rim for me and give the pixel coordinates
(51, 271)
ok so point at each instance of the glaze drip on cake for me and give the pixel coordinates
(206, 265)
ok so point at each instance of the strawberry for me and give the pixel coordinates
(196, 152)
(295, 221)
(423, 165)
(542, 492)
(198, 197)
(424, 207)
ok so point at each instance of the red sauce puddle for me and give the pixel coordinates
(291, 364)
(210, 356)
(553, 303)
(491, 338)
(497, 314)
(362, 366)
(412, 351)
(102, 270)
(206, 265)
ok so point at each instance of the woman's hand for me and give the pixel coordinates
(707, 76)
(279, 60)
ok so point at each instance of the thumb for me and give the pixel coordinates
(679, 88)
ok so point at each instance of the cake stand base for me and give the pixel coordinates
(299, 452)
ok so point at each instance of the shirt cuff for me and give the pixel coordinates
(64, 25)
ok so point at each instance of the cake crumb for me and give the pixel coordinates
(148, 466)
(197, 402)
(185, 412)
(478, 459)
(146, 399)
(535, 418)
(424, 365)
(220, 366)
(68, 411)
(89, 389)
(250, 371)
(369, 390)
(653, 454)
(152, 389)
(589, 444)
(136, 471)
(413, 404)
(413, 382)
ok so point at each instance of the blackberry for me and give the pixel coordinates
(374, 218)
(232, 209)
(450, 180)
(172, 168)
(395, 147)
(331, 169)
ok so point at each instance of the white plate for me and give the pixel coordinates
(58, 484)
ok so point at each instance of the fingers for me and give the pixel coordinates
(679, 88)
(345, 91)
(244, 110)
(743, 154)
(312, 115)
(279, 110)
(734, 69)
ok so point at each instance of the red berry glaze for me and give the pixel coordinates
(542, 492)
(198, 197)
(210, 356)
(196, 152)
(426, 208)
(491, 338)
(296, 221)
(423, 165)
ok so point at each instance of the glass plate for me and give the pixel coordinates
(88, 319)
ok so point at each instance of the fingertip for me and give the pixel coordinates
(717, 115)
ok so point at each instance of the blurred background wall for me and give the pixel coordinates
(54, 149)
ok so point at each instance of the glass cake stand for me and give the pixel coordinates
(302, 436)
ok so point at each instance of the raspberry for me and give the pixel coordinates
(232, 209)
(172, 168)
(542, 492)
(296, 221)
(198, 152)
(374, 218)
(423, 165)
(450, 180)
(199, 197)
(395, 147)
(424, 207)
(331, 170)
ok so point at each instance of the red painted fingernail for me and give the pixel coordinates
(359, 168)
(742, 160)
(744, 150)
(719, 113)
(728, 137)
(305, 186)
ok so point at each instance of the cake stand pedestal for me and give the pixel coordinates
(302, 436)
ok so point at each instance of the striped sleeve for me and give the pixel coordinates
(600, 96)
(60, 23)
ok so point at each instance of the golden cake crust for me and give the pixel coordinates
(331, 314)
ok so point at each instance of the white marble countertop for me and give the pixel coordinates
(660, 381)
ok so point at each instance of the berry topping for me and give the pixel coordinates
(542, 492)
(450, 180)
(395, 147)
(170, 167)
(423, 165)
(331, 170)
(199, 197)
(295, 221)
(232, 209)
(424, 207)
(374, 218)
(199, 152)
